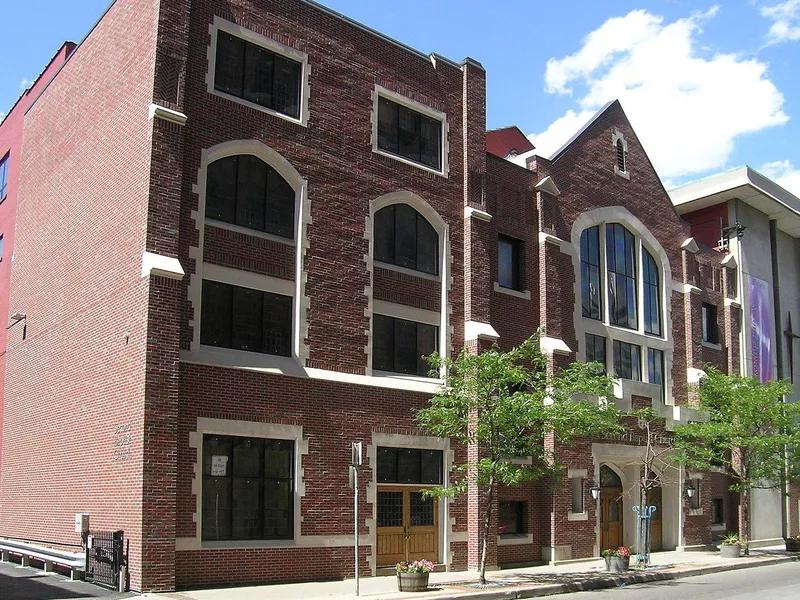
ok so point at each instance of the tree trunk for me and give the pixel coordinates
(486, 528)
(744, 520)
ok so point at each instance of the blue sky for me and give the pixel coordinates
(708, 86)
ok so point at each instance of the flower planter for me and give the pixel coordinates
(617, 564)
(792, 545)
(730, 550)
(412, 582)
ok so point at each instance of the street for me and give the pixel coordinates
(777, 582)
(25, 583)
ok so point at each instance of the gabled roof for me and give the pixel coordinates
(747, 185)
(501, 142)
(554, 157)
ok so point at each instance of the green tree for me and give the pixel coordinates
(747, 430)
(506, 405)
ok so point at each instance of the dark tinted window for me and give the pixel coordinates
(246, 191)
(403, 237)
(248, 488)
(511, 518)
(655, 368)
(409, 465)
(4, 176)
(627, 361)
(621, 262)
(596, 349)
(257, 75)
(398, 345)
(652, 295)
(245, 319)
(710, 327)
(409, 134)
(509, 251)
(591, 303)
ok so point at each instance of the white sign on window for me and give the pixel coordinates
(219, 466)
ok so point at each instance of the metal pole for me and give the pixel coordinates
(355, 496)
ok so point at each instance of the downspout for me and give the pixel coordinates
(776, 307)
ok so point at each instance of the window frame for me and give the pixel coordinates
(589, 267)
(520, 512)
(636, 364)
(5, 167)
(630, 278)
(375, 346)
(220, 24)
(418, 215)
(517, 263)
(382, 92)
(594, 344)
(710, 326)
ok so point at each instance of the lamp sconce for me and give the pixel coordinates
(595, 490)
(19, 318)
(689, 488)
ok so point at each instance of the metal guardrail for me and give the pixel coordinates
(75, 561)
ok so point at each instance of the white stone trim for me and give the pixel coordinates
(644, 239)
(548, 186)
(220, 24)
(475, 213)
(245, 429)
(381, 91)
(443, 231)
(733, 303)
(156, 111)
(573, 473)
(729, 262)
(165, 266)
(684, 288)
(475, 330)
(525, 294)
(247, 231)
(406, 271)
(710, 345)
(571, 516)
(515, 539)
(301, 302)
(549, 238)
(690, 245)
(409, 313)
(549, 345)
(397, 440)
(248, 279)
(694, 375)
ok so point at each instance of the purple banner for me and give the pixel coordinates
(760, 329)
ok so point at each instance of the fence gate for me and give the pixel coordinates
(104, 557)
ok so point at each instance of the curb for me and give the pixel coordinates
(605, 582)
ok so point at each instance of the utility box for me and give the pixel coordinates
(81, 523)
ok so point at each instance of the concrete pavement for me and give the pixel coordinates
(529, 582)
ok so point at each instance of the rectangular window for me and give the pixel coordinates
(655, 369)
(576, 484)
(246, 319)
(410, 465)
(627, 361)
(509, 252)
(511, 518)
(248, 71)
(596, 349)
(621, 262)
(710, 328)
(717, 512)
(248, 488)
(398, 345)
(409, 134)
(4, 176)
(591, 303)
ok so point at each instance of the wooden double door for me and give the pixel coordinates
(407, 525)
(654, 499)
(610, 518)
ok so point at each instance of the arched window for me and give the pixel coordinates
(592, 305)
(652, 294)
(621, 263)
(244, 190)
(609, 478)
(404, 238)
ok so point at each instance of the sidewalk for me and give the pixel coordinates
(529, 582)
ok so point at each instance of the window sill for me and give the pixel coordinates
(233, 544)
(258, 107)
(695, 512)
(573, 516)
(718, 527)
(407, 161)
(525, 295)
(623, 174)
(406, 271)
(710, 345)
(251, 232)
(403, 377)
(514, 539)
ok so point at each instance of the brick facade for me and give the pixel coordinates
(113, 345)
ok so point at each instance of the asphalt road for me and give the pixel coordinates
(777, 582)
(26, 583)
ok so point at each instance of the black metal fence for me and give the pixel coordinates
(105, 557)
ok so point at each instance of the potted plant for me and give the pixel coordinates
(617, 561)
(792, 543)
(731, 546)
(413, 576)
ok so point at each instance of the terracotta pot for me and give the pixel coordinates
(730, 550)
(617, 564)
(412, 582)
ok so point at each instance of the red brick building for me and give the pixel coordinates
(241, 224)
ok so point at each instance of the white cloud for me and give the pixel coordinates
(784, 173)
(25, 84)
(785, 19)
(687, 106)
